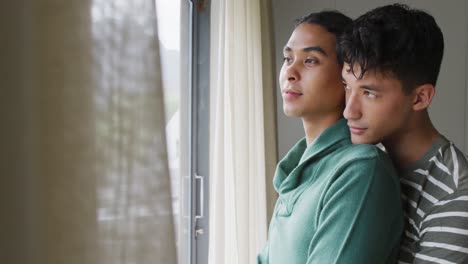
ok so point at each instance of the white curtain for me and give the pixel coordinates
(242, 148)
(84, 167)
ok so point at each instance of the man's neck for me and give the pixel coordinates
(408, 147)
(313, 127)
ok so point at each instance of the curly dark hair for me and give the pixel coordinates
(395, 40)
(331, 20)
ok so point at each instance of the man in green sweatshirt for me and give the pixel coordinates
(338, 202)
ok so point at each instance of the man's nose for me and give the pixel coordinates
(352, 110)
(292, 73)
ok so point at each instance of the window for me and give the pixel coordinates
(175, 85)
(184, 60)
(184, 51)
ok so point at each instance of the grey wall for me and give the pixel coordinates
(448, 109)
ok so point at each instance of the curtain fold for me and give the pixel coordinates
(87, 168)
(242, 147)
(269, 102)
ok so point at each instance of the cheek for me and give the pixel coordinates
(282, 74)
(334, 87)
(398, 107)
(386, 117)
(332, 80)
(400, 115)
(380, 111)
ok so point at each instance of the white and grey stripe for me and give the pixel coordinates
(436, 195)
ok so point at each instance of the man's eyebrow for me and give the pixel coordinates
(371, 87)
(315, 48)
(308, 49)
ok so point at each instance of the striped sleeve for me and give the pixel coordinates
(435, 196)
(443, 232)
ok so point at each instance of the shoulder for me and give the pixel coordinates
(363, 155)
(364, 173)
(450, 165)
(363, 164)
(455, 201)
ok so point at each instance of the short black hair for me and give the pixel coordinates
(333, 21)
(394, 39)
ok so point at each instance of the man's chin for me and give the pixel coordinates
(355, 139)
(290, 113)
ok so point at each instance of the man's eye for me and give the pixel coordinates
(311, 61)
(370, 94)
(286, 59)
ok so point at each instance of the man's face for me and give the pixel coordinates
(310, 78)
(377, 109)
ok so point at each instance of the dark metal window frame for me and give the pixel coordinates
(199, 126)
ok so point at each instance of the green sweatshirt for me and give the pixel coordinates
(338, 203)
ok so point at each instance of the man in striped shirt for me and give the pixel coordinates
(392, 58)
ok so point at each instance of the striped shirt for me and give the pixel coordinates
(435, 201)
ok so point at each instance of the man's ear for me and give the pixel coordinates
(422, 96)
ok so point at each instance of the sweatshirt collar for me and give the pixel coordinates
(287, 176)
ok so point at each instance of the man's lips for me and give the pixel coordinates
(291, 94)
(357, 130)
